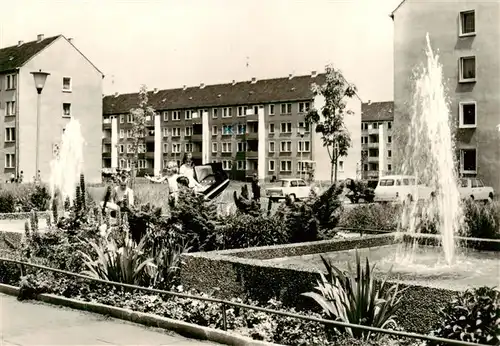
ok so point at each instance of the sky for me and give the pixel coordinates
(167, 43)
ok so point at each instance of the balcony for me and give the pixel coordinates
(149, 155)
(106, 154)
(373, 145)
(252, 154)
(106, 140)
(252, 135)
(106, 125)
(372, 158)
(196, 137)
(252, 117)
(150, 138)
(373, 131)
(197, 120)
(197, 155)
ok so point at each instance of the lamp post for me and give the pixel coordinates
(301, 134)
(40, 78)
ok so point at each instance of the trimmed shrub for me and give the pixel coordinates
(371, 216)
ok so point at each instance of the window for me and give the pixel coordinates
(241, 165)
(271, 166)
(304, 146)
(10, 134)
(242, 146)
(165, 131)
(375, 126)
(389, 139)
(121, 148)
(303, 125)
(227, 165)
(122, 119)
(10, 160)
(242, 111)
(176, 147)
(214, 130)
(10, 81)
(130, 134)
(467, 114)
(130, 118)
(66, 109)
(227, 129)
(214, 113)
(165, 147)
(389, 167)
(242, 129)
(286, 108)
(189, 115)
(256, 109)
(468, 160)
(467, 23)
(271, 128)
(176, 132)
(214, 147)
(165, 115)
(272, 148)
(188, 131)
(286, 166)
(122, 133)
(165, 164)
(341, 166)
(142, 164)
(304, 107)
(386, 182)
(188, 147)
(226, 147)
(468, 69)
(227, 112)
(389, 125)
(176, 115)
(11, 107)
(389, 153)
(129, 149)
(271, 111)
(286, 127)
(286, 146)
(66, 84)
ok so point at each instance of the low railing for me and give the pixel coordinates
(225, 303)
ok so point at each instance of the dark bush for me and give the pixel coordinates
(473, 317)
(7, 202)
(299, 220)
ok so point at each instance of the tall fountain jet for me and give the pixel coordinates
(68, 164)
(430, 156)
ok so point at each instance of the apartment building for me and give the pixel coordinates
(376, 139)
(73, 88)
(466, 35)
(255, 126)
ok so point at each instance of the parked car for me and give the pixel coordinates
(399, 188)
(475, 189)
(291, 187)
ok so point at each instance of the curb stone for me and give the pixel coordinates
(183, 328)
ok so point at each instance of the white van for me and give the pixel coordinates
(399, 188)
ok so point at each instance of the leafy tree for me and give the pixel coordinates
(139, 117)
(329, 120)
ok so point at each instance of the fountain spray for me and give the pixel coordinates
(430, 156)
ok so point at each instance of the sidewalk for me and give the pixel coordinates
(34, 323)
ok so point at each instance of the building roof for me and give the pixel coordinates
(377, 111)
(260, 92)
(392, 13)
(16, 56)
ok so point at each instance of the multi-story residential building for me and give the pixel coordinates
(376, 139)
(73, 89)
(255, 126)
(466, 36)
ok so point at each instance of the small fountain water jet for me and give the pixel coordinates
(68, 164)
(430, 156)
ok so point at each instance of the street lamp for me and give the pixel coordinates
(301, 134)
(40, 78)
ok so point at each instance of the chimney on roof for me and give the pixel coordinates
(70, 39)
(184, 87)
(290, 76)
(155, 90)
(369, 102)
(39, 38)
(314, 74)
(254, 80)
(116, 94)
(202, 85)
(19, 43)
(234, 82)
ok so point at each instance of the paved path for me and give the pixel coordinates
(35, 323)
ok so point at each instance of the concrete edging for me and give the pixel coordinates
(183, 328)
